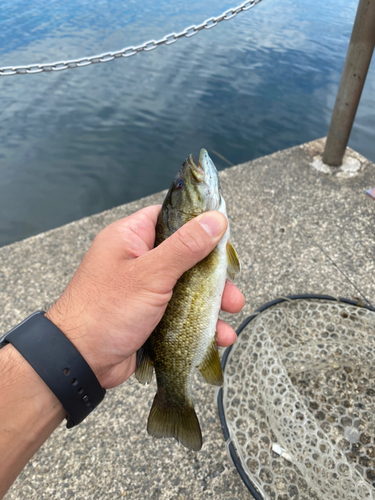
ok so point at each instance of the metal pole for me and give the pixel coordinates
(353, 77)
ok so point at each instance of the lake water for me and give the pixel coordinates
(77, 142)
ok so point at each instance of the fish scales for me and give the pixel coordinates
(187, 323)
(185, 338)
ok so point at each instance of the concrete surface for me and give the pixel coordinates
(296, 230)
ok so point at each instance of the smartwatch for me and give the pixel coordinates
(59, 364)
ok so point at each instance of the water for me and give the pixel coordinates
(78, 142)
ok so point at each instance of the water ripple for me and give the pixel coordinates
(81, 141)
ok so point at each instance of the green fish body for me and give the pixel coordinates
(185, 338)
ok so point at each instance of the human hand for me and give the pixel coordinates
(123, 285)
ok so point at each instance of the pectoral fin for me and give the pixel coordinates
(144, 368)
(233, 261)
(210, 367)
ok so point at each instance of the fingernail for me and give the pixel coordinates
(213, 223)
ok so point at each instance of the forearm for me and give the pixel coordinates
(29, 413)
(115, 300)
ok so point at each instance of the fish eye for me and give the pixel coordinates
(180, 183)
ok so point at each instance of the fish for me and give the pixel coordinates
(185, 338)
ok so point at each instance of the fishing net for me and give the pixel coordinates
(298, 404)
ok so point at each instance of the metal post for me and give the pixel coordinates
(353, 77)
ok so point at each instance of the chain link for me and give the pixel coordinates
(32, 69)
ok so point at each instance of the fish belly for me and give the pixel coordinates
(179, 345)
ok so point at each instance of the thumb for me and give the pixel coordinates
(187, 246)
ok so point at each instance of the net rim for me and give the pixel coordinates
(220, 395)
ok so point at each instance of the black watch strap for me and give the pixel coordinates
(59, 364)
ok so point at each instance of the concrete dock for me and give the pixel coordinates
(298, 228)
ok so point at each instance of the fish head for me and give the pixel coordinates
(196, 187)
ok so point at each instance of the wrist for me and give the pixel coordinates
(59, 363)
(27, 389)
(79, 331)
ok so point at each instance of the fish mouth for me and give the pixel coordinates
(205, 169)
(203, 159)
(211, 181)
(207, 165)
(196, 169)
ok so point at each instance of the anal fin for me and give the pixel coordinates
(144, 368)
(210, 367)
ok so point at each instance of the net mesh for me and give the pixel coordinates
(299, 401)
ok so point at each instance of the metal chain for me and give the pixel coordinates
(129, 51)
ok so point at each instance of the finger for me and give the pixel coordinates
(186, 247)
(152, 212)
(147, 214)
(233, 300)
(131, 236)
(142, 224)
(226, 336)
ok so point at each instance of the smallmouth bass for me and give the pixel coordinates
(185, 338)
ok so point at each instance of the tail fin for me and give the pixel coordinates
(180, 422)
